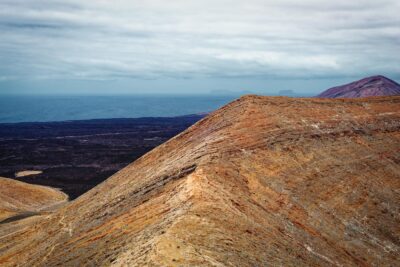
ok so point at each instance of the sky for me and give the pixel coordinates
(195, 47)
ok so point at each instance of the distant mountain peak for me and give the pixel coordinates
(377, 85)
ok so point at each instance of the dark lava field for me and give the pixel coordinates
(75, 156)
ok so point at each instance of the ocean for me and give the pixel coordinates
(44, 108)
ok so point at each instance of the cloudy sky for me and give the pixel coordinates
(186, 46)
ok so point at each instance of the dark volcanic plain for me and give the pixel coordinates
(77, 155)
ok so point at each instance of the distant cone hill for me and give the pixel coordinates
(263, 181)
(370, 86)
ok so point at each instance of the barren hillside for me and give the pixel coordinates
(370, 86)
(263, 181)
(22, 199)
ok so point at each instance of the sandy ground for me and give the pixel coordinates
(27, 173)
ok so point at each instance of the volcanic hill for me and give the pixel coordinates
(370, 86)
(263, 181)
(19, 199)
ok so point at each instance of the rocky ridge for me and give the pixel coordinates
(261, 181)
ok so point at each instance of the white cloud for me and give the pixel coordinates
(102, 39)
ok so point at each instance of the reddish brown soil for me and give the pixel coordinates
(263, 181)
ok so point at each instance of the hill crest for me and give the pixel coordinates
(261, 181)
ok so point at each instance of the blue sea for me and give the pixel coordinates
(60, 108)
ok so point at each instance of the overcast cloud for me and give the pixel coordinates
(194, 44)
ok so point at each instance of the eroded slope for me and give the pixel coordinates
(262, 181)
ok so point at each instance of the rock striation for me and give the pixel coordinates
(370, 86)
(263, 181)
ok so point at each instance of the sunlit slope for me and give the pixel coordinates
(263, 181)
(17, 197)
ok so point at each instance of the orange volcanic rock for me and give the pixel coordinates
(18, 198)
(263, 181)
